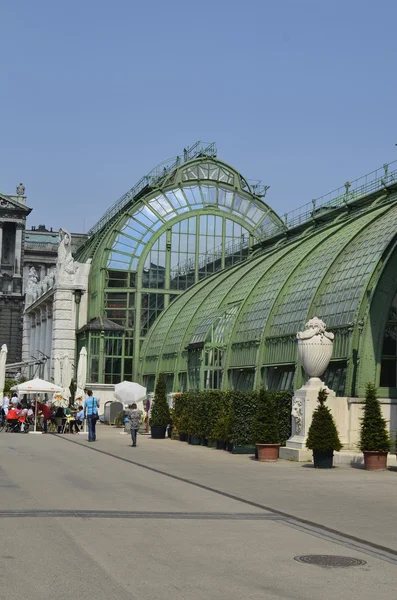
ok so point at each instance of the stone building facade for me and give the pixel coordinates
(13, 214)
(41, 250)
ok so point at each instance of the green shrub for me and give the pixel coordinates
(266, 424)
(373, 434)
(119, 419)
(214, 401)
(323, 434)
(222, 429)
(160, 413)
(244, 408)
(180, 414)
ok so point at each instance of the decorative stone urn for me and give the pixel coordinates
(315, 346)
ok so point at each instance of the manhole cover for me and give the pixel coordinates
(324, 560)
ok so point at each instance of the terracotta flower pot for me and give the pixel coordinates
(375, 461)
(268, 452)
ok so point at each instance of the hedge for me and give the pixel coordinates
(228, 416)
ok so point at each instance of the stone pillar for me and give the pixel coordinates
(63, 323)
(48, 342)
(18, 249)
(26, 341)
(1, 245)
(33, 334)
(42, 272)
(43, 336)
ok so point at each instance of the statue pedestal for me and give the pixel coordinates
(303, 404)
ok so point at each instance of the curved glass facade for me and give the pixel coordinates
(238, 329)
(195, 221)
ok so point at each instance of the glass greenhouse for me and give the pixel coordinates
(186, 220)
(335, 258)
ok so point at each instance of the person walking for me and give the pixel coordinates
(91, 405)
(135, 418)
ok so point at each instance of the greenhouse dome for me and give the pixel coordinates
(335, 258)
(187, 219)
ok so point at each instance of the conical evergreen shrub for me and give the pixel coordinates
(323, 434)
(266, 422)
(373, 435)
(160, 413)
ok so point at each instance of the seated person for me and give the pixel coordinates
(60, 418)
(78, 421)
(13, 416)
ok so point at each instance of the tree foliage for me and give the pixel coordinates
(323, 434)
(373, 434)
(160, 413)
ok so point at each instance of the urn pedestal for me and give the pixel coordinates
(315, 346)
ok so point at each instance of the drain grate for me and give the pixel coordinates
(330, 560)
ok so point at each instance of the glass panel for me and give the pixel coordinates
(209, 194)
(193, 195)
(161, 205)
(388, 373)
(280, 378)
(351, 271)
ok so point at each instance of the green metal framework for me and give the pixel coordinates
(186, 220)
(337, 261)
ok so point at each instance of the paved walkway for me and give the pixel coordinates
(99, 521)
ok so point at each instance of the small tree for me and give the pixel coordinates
(160, 414)
(323, 434)
(373, 434)
(266, 422)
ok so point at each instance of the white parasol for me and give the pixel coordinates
(81, 374)
(66, 376)
(128, 392)
(37, 386)
(3, 360)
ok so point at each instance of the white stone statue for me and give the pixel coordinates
(315, 346)
(66, 267)
(32, 285)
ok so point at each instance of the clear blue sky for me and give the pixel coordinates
(301, 94)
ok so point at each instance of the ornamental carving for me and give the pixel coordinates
(66, 267)
(315, 346)
(297, 414)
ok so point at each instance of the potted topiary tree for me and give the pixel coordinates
(160, 413)
(374, 438)
(323, 438)
(266, 427)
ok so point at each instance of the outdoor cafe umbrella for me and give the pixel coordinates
(66, 376)
(128, 392)
(81, 373)
(36, 386)
(3, 360)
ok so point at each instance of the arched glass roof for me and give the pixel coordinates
(202, 183)
(324, 273)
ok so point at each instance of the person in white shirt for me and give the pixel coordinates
(14, 399)
(77, 422)
(5, 404)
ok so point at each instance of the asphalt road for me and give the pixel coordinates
(83, 521)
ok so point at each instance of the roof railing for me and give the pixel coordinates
(350, 192)
(155, 175)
